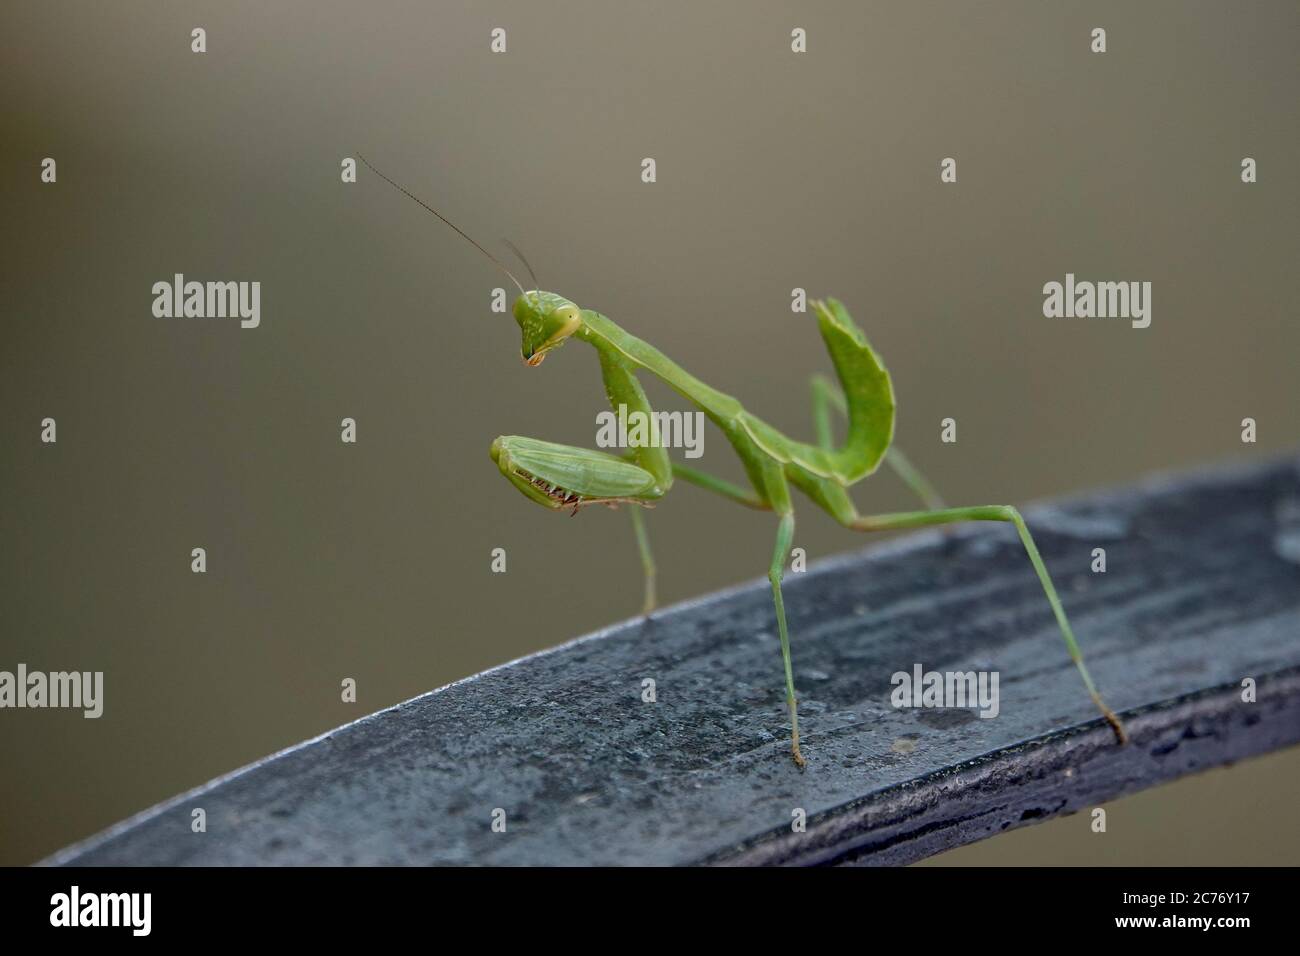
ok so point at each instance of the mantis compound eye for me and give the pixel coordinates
(564, 322)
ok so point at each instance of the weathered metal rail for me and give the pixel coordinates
(1201, 591)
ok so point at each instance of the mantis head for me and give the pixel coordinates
(546, 320)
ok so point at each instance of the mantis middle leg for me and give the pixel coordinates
(775, 496)
(784, 537)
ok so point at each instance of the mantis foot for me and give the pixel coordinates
(1121, 734)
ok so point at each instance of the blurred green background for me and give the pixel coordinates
(775, 170)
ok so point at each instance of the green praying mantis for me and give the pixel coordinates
(569, 478)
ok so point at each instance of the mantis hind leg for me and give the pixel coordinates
(916, 519)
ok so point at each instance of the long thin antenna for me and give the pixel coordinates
(531, 273)
(463, 234)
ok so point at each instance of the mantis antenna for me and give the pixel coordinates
(461, 232)
(531, 274)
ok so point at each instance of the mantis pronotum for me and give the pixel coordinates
(567, 478)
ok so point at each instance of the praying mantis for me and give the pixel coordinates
(569, 478)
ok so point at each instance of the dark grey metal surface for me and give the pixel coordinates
(1202, 590)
